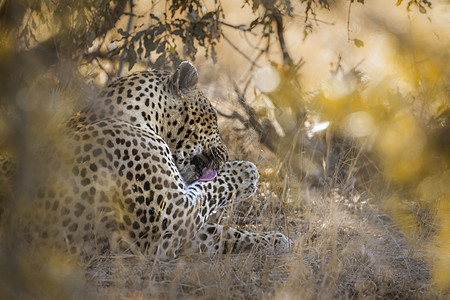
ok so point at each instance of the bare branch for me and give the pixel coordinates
(278, 18)
(239, 50)
(239, 27)
(253, 121)
(348, 19)
(250, 69)
(235, 115)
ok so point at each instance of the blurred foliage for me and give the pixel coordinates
(403, 138)
(189, 21)
(69, 26)
(78, 30)
(406, 136)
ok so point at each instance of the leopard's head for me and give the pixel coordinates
(197, 142)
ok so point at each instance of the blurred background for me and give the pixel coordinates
(339, 99)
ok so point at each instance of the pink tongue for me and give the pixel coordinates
(208, 174)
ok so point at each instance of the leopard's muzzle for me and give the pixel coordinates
(212, 159)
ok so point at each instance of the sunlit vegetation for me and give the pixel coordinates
(343, 106)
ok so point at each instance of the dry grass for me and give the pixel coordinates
(340, 252)
(345, 247)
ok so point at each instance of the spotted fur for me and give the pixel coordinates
(129, 177)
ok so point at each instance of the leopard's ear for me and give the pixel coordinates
(184, 79)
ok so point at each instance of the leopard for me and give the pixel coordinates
(142, 168)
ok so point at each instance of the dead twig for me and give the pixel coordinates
(253, 121)
(239, 50)
(239, 27)
(237, 116)
(278, 18)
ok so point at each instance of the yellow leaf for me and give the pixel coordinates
(358, 43)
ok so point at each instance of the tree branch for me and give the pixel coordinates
(263, 132)
(239, 50)
(348, 19)
(239, 27)
(277, 17)
(235, 115)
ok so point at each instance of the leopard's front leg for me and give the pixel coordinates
(216, 238)
(237, 181)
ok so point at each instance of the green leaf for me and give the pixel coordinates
(422, 9)
(409, 5)
(123, 33)
(208, 16)
(159, 61)
(161, 47)
(131, 57)
(254, 23)
(140, 50)
(149, 44)
(160, 29)
(178, 32)
(428, 3)
(154, 17)
(358, 43)
(114, 52)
